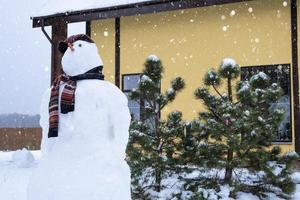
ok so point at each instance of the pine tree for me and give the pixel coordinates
(154, 143)
(236, 130)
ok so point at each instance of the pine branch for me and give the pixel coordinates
(215, 114)
(218, 92)
(149, 135)
(163, 105)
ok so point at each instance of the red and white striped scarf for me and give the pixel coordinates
(67, 101)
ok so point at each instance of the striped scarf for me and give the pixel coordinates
(67, 100)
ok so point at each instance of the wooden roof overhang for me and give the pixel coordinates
(152, 6)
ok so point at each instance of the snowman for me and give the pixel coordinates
(85, 132)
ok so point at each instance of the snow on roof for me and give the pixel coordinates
(52, 7)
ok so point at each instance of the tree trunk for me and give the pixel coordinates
(157, 179)
(228, 170)
(229, 89)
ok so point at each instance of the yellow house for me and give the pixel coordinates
(191, 37)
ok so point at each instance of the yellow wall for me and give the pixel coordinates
(103, 33)
(191, 41)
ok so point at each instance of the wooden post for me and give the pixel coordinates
(295, 79)
(88, 28)
(117, 52)
(59, 33)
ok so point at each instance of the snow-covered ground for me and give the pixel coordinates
(15, 177)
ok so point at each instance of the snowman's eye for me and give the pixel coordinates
(80, 45)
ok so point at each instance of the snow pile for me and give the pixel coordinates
(296, 177)
(244, 88)
(23, 158)
(63, 6)
(170, 92)
(246, 196)
(145, 80)
(14, 179)
(296, 195)
(260, 75)
(153, 58)
(228, 63)
(212, 74)
(291, 154)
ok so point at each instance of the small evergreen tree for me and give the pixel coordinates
(236, 131)
(154, 143)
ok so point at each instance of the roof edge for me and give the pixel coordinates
(61, 14)
(145, 7)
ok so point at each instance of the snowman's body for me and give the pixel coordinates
(86, 160)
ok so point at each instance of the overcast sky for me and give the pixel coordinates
(24, 57)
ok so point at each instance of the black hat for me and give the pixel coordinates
(63, 45)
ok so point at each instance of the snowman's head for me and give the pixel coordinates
(80, 54)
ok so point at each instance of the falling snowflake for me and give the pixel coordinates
(250, 10)
(191, 20)
(223, 17)
(173, 60)
(285, 4)
(232, 13)
(105, 33)
(278, 14)
(225, 28)
(256, 40)
(46, 69)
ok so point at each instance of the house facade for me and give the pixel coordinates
(191, 37)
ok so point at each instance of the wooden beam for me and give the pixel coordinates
(295, 77)
(59, 33)
(154, 6)
(88, 28)
(117, 52)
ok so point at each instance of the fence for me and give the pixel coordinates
(18, 138)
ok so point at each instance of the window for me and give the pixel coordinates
(278, 74)
(129, 83)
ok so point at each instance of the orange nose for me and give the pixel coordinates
(70, 45)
